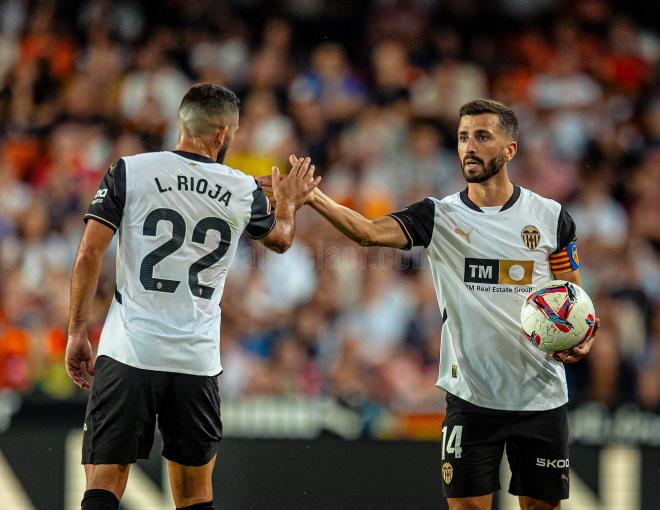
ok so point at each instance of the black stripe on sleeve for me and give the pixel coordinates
(565, 230)
(417, 222)
(108, 204)
(262, 217)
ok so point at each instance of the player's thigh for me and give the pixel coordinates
(111, 477)
(189, 419)
(191, 484)
(537, 450)
(472, 446)
(478, 503)
(121, 413)
(527, 503)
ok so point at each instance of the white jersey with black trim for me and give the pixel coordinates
(484, 263)
(179, 216)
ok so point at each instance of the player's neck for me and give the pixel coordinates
(495, 191)
(196, 146)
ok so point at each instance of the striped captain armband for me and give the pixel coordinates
(565, 259)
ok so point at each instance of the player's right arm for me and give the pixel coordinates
(404, 229)
(291, 192)
(383, 231)
(103, 218)
(84, 280)
(413, 226)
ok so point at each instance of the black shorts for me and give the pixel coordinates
(126, 402)
(474, 439)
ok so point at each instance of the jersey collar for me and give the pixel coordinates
(193, 155)
(509, 203)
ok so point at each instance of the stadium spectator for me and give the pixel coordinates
(371, 94)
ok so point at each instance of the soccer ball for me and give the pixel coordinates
(557, 315)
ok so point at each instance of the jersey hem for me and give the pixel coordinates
(178, 370)
(500, 408)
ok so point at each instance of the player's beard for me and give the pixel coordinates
(493, 168)
(223, 151)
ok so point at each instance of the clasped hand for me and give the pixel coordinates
(296, 187)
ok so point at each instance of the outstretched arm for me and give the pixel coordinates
(404, 229)
(383, 231)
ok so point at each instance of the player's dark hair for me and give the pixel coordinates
(508, 119)
(210, 100)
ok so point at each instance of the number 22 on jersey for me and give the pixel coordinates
(178, 237)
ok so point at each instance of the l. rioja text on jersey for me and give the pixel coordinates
(201, 186)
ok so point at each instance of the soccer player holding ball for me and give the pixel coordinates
(489, 246)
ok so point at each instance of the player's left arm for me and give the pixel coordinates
(582, 349)
(103, 219)
(565, 265)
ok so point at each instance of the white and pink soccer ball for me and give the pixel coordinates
(557, 315)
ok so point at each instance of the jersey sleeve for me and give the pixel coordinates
(107, 206)
(565, 257)
(262, 217)
(416, 222)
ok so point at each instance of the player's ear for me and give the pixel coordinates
(511, 149)
(220, 135)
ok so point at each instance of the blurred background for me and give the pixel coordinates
(331, 340)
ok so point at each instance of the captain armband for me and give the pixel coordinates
(565, 259)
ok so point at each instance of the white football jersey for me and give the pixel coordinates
(484, 263)
(179, 216)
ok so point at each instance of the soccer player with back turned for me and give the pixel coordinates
(179, 215)
(488, 246)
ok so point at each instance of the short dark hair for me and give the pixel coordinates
(210, 100)
(508, 119)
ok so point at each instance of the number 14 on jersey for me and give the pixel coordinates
(453, 444)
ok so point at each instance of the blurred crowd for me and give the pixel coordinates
(371, 91)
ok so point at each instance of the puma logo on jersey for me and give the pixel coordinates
(461, 232)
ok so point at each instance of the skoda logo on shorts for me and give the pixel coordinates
(531, 236)
(447, 472)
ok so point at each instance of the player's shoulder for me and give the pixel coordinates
(243, 183)
(144, 157)
(164, 159)
(452, 199)
(432, 205)
(137, 164)
(532, 200)
(447, 202)
(238, 174)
